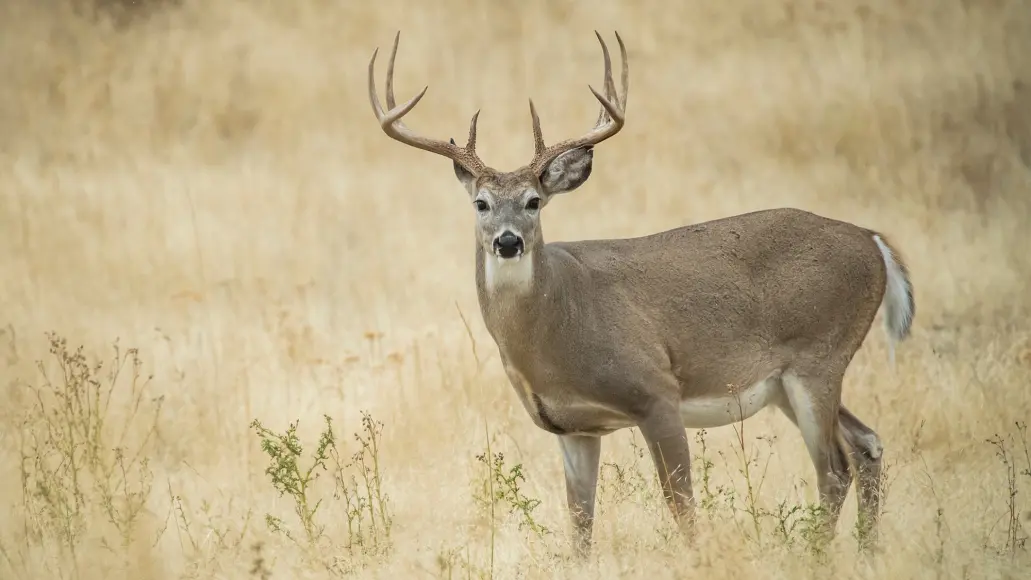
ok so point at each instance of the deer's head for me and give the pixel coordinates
(508, 204)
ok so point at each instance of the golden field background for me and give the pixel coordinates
(205, 181)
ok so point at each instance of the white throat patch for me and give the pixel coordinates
(508, 274)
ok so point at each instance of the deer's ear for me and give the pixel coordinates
(463, 174)
(568, 171)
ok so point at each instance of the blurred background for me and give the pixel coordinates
(206, 182)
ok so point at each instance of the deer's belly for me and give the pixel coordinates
(717, 411)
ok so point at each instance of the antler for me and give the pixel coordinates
(610, 118)
(392, 125)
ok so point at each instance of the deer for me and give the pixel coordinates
(701, 326)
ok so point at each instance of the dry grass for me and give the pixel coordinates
(204, 181)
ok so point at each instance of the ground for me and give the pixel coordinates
(204, 185)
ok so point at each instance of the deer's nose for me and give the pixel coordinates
(508, 245)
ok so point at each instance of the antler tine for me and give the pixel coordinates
(391, 123)
(610, 86)
(610, 119)
(625, 74)
(470, 143)
(538, 136)
(390, 71)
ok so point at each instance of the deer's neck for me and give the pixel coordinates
(514, 295)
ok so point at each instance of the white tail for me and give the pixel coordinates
(898, 305)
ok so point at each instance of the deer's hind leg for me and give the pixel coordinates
(811, 402)
(867, 452)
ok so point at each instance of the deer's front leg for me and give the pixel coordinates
(663, 430)
(580, 456)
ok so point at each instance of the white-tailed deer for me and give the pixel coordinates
(600, 335)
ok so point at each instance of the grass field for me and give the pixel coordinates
(197, 193)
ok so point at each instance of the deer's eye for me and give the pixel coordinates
(534, 203)
(481, 205)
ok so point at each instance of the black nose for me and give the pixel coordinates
(508, 245)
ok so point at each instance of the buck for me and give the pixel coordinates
(696, 327)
